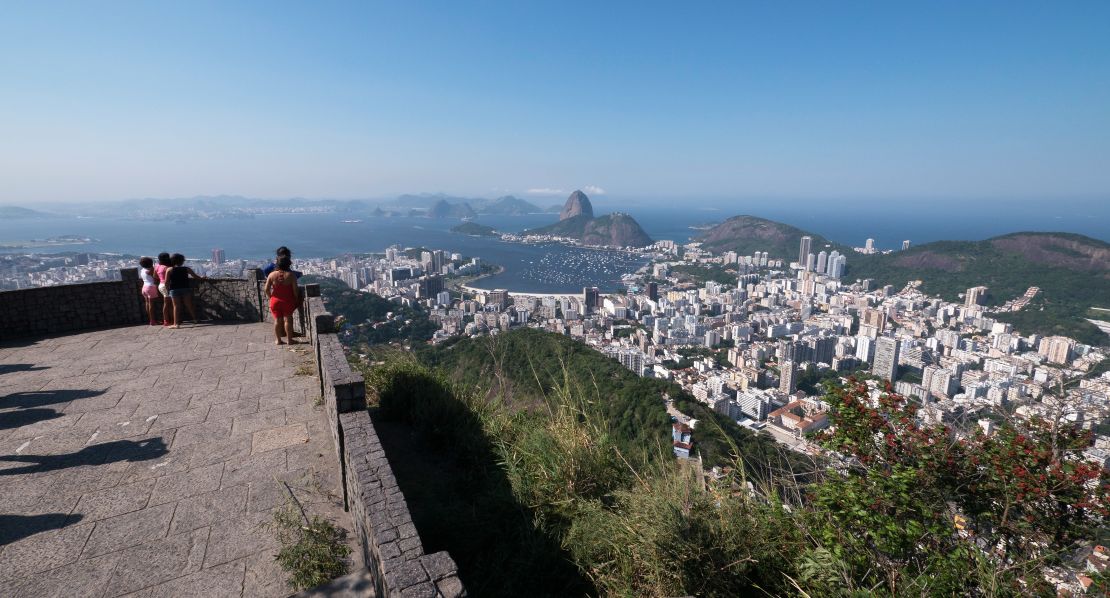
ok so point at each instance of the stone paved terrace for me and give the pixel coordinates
(141, 461)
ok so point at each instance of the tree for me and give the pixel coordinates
(922, 508)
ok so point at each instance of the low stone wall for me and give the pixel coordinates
(228, 299)
(68, 308)
(391, 547)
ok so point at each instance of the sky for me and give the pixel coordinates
(644, 100)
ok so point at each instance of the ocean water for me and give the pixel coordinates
(559, 269)
(549, 268)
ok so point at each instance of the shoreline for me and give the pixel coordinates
(513, 293)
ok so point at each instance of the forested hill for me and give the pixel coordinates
(366, 315)
(1072, 271)
(533, 369)
(748, 234)
(611, 230)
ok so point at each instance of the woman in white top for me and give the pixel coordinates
(150, 286)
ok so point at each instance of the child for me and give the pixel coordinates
(150, 286)
(177, 280)
(281, 288)
(160, 271)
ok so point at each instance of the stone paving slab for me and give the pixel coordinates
(142, 461)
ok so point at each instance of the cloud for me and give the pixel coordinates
(545, 191)
(593, 190)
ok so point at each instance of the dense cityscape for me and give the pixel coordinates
(501, 300)
(755, 351)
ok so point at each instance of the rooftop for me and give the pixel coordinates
(141, 459)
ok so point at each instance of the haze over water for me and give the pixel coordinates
(555, 268)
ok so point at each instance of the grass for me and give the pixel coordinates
(313, 551)
(541, 501)
(305, 369)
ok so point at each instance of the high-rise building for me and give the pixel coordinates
(905, 244)
(788, 377)
(869, 246)
(443, 298)
(810, 263)
(975, 296)
(430, 286)
(822, 349)
(803, 250)
(217, 256)
(1057, 349)
(652, 289)
(874, 317)
(886, 358)
(591, 298)
(865, 348)
(500, 298)
(822, 261)
(836, 263)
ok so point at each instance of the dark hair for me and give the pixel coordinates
(284, 263)
(177, 259)
(146, 262)
(283, 250)
(164, 259)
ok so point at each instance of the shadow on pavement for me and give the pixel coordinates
(17, 527)
(40, 398)
(10, 368)
(109, 452)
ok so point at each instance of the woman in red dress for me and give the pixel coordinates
(281, 288)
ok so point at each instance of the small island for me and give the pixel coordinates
(475, 230)
(60, 240)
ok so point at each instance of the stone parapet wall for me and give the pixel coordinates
(67, 308)
(391, 547)
(45, 311)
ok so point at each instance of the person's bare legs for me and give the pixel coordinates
(289, 329)
(167, 311)
(176, 312)
(149, 309)
(279, 330)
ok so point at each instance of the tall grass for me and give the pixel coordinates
(654, 530)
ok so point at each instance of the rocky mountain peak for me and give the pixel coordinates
(577, 204)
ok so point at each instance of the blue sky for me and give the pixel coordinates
(638, 100)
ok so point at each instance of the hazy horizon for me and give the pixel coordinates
(946, 100)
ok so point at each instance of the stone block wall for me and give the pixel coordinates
(391, 547)
(72, 307)
(66, 308)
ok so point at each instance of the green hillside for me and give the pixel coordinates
(474, 229)
(748, 234)
(365, 315)
(613, 230)
(1072, 271)
(531, 364)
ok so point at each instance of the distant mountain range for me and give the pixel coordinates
(1072, 271)
(18, 213)
(506, 205)
(611, 230)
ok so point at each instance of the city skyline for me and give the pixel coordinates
(1000, 101)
